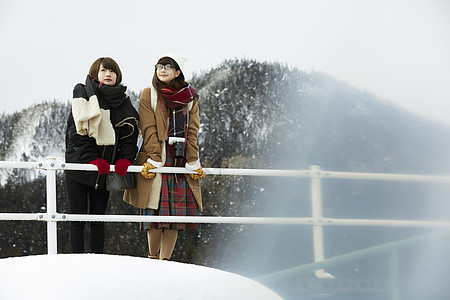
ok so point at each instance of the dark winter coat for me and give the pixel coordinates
(83, 148)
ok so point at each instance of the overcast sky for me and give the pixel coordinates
(398, 50)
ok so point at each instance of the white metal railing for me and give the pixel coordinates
(50, 166)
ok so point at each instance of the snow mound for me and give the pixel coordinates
(99, 276)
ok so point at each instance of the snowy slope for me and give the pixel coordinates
(95, 276)
(37, 134)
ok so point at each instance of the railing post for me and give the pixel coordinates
(52, 236)
(316, 202)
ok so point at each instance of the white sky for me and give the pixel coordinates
(398, 50)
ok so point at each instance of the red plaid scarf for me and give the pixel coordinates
(175, 98)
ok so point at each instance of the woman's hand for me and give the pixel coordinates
(146, 170)
(150, 165)
(196, 167)
(121, 166)
(102, 165)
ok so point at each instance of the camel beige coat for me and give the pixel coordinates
(154, 127)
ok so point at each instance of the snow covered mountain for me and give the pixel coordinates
(33, 135)
(268, 115)
(256, 115)
(280, 117)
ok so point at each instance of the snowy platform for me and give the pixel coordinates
(95, 276)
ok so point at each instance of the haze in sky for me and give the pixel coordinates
(396, 50)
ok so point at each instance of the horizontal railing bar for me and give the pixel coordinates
(279, 173)
(258, 220)
(208, 171)
(19, 217)
(383, 223)
(244, 172)
(223, 220)
(383, 176)
(18, 165)
(187, 219)
(258, 172)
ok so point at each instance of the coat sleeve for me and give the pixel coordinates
(192, 136)
(147, 123)
(84, 146)
(128, 139)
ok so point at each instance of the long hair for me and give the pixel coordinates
(177, 83)
(109, 64)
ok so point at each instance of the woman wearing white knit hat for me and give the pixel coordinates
(169, 123)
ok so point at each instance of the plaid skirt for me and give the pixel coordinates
(176, 200)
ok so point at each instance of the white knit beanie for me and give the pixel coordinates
(178, 58)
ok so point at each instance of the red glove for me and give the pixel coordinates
(121, 166)
(102, 165)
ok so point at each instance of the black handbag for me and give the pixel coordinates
(115, 182)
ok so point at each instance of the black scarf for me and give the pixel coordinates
(109, 96)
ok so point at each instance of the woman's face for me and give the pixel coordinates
(107, 76)
(166, 73)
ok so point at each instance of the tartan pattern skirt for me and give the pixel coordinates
(176, 200)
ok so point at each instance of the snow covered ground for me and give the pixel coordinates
(98, 276)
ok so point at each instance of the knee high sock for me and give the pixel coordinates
(169, 238)
(154, 241)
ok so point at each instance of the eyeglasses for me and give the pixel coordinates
(167, 67)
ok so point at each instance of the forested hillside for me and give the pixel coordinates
(256, 115)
